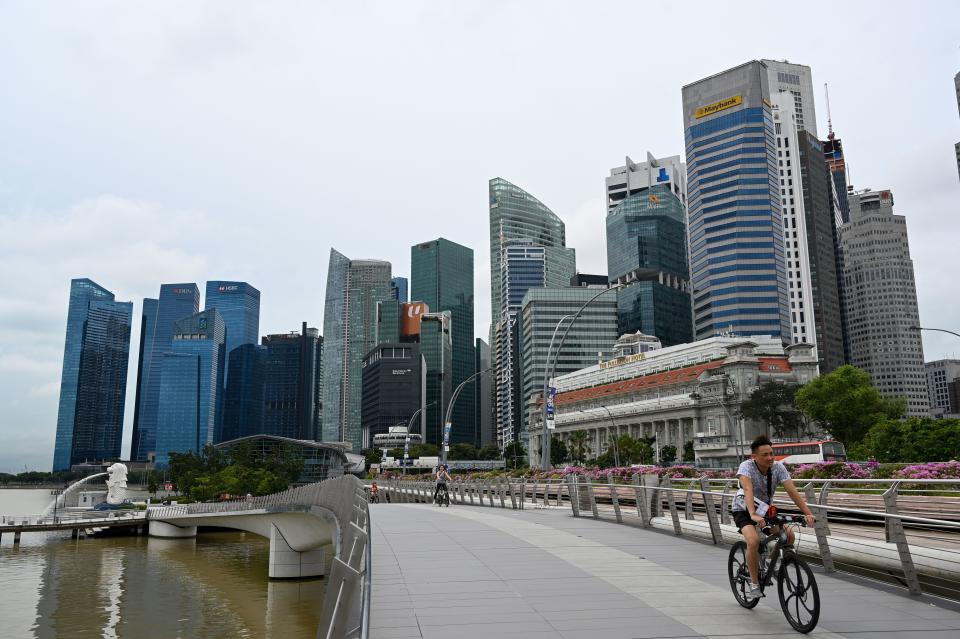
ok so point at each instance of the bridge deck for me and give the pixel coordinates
(469, 572)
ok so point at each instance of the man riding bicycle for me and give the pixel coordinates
(374, 493)
(443, 476)
(759, 478)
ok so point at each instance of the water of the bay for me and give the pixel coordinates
(215, 585)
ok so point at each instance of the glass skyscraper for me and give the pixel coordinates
(647, 248)
(191, 380)
(442, 273)
(243, 400)
(94, 376)
(436, 346)
(535, 240)
(293, 384)
(349, 327)
(176, 302)
(239, 306)
(398, 288)
(737, 260)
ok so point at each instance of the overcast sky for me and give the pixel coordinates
(149, 142)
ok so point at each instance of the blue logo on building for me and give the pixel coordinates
(663, 177)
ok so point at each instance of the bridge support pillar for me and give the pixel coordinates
(16, 538)
(287, 563)
(169, 531)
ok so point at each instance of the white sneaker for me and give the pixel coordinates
(752, 592)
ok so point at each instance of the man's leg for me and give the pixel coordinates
(752, 538)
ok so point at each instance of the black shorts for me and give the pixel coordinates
(741, 518)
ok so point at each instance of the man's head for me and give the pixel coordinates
(762, 450)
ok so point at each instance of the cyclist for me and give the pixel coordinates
(759, 478)
(443, 476)
(374, 493)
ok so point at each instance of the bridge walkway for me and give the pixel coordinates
(468, 572)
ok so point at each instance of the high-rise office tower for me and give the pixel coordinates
(398, 288)
(243, 397)
(589, 340)
(810, 237)
(239, 307)
(442, 274)
(176, 302)
(191, 382)
(737, 260)
(881, 299)
(394, 389)
(647, 248)
(93, 381)
(796, 80)
(293, 384)
(534, 239)
(483, 393)
(349, 329)
(943, 386)
(956, 147)
(436, 346)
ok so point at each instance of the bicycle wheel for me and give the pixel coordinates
(740, 575)
(799, 596)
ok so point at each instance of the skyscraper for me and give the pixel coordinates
(483, 391)
(527, 249)
(349, 328)
(956, 147)
(943, 384)
(176, 302)
(398, 288)
(810, 237)
(442, 274)
(647, 247)
(881, 299)
(191, 382)
(436, 346)
(239, 307)
(796, 80)
(293, 384)
(94, 377)
(737, 260)
(243, 401)
(393, 388)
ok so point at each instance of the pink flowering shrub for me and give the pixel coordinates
(831, 470)
(931, 470)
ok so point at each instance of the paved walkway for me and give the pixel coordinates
(466, 571)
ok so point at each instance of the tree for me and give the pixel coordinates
(423, 450)
(153, 484)
(688, 454)
(489, 452)
(558, 451)
(773, 404)
(396, 453)
(631, 451)
(917, 439)
(515, 456)
(668, 454)
(463, 451)
(846, 405)
(579, 446)
(373, 456)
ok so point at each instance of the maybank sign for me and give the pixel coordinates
(716, 107)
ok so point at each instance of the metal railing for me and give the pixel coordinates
(902, 531)
(70, 517)
(346, 607)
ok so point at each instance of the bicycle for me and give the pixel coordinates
(442, 496)
(796, 585)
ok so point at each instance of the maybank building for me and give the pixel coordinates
(735, 224)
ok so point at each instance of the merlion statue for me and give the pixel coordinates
(116, 484)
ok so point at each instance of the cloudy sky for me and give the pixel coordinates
(149, 142)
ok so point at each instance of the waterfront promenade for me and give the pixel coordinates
(468, 572)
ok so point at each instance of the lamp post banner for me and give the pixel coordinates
(446, 436)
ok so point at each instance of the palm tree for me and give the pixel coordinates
(579, 446)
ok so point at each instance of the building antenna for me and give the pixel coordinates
(826, 90)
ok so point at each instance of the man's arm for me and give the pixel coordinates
(798, 499)
(747, 484)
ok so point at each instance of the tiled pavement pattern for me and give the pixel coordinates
(465, 572)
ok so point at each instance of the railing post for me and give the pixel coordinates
(896, 534)
(615, 498)
(688, 503)
(821, 529)
(824, 501)
(490, 493)
(724, 510)
(470, 491)
(502, 488)
(523, 491)
(667, 484)
(546, 492)
(657, 496)
(593, 499)
(574, 490)
(513, 493)
(715, 532)
(638, 497)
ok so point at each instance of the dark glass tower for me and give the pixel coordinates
(239, 306)
(94, 378)
(191, 381)
(436, 346)
(398, 288)
(647, 248)
(737, 262)
(442, 273)
(176, 302)
(243, 401)
(293, 386)
(392, 388)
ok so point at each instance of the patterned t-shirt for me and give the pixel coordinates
(750, 469)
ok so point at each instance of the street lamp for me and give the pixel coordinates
(552, 364)
(616, 434)
(942, 330)
(406, 445)
(447, 425)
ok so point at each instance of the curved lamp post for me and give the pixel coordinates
(941, 330)
(406, 445)
(616, 434)
(447, 425)
(552, 364)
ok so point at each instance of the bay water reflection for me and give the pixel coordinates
(215, 585)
